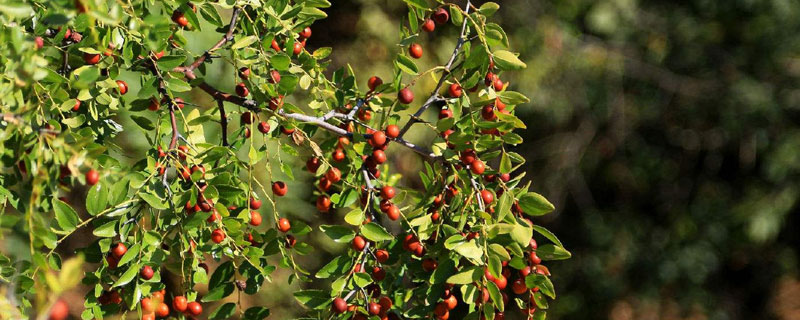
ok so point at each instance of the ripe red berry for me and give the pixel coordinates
(519, 286)
(179, 18)
(241, 90)
(162, 311)
(445, 113)
(274, 76)
(393, 212)
(334, 175)
(378, 274)
(312, 164)
(379, 156)
(279, 188)
(405, 96)
(374, 82)
(244, 73)
(487, 113)
(323, 203)
(374, 308)
(123, 87)
(91, 58)
(298, 47)
(487, 197)
(338, 155)
(179, 303)
(255, 218)
(534, 259)
(275, 45)
(217, 236)
(263, 127)
(59, 310)
(477, 167)
(382, 255)
(497, 84)
(428, 25)
(359, 243)
(387, 192)
(119, 250)
(501, 282)
(284, 225)
(378, 138)
(441, 16)
(339, 305)
(194, 308)
(92, 177)
(454, 90)
(306, 33)
(146, 273)
(392, 131)
(415, 50)
(246, 118)
(39, 41)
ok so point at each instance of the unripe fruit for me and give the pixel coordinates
(194, 308)
(92, 177)
(378, 138)
(306, 33)
(91, 58)
(415, 50)
(217, 236)
(179, 303)
(382, 255)
(374, 82)
(359, 243)
(339, 305)
(374, 308)
(122, 86)
(487, 197)
(323, 203)
(59, 310)
(179, 18)
(445, 113)
(454, 90)
(477, 167)
(392, 131)
(255, 218)
(519, 286)
(284, 225)
(441, 16)
(387, 192)
(162, 311)
(405, 96)
(241, 90)
(119, 250)
(279, 188)
(146, 273)
(428, 25)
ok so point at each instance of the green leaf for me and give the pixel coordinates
(96, 199)
(354, 217)
(153, 201)
(361, 279)
(178, 85)
(13, 9)
(66, 217)
(405, 64)
(340, 234)
(313, 299)
(256, 313)
(469, 250)
(225, 311)
(132, 252)
(337, 266)
(469, 275)
(547, 234)
(505, 164)
(506, 60)
(143, 122)
(107, 230)
(503, 207)
(535, 204)
(552, 252)
(170, 62)
(513, 97)
(522, 234)
(218, 292)
(499, 252)
(494, 293)
(375, 232)
(280, 62)
(126, 277)
(222, 274)
(489, 8)
(244, 42)
(417, 3)
(535, 280)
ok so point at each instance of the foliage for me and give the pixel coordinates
(193, 197)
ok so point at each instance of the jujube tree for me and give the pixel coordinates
(467, 243)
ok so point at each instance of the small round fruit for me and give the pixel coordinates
(334, 175)
(255, 218)
(374, 82)
(519, 286)
(244, 73)
(497, 84)
(119, 250)
(255, 204)
(92, 177)
(162, 311)
(415, 50)
(379, 156)
(405, 96)
(306, 33)
(91, 58)
(392, 131)
(194, 308)
(275, 45)
(122, 86)
(534, 259)
(359, 243)
(298, 47)
(39, 41)
(441, 16)
(429, 265)
(454, 90)
(59, 310)
(451, 301)
(179, 18)
(477, 167)
(445, 113)
(378, 138)
(339, 305)
(501, 282)
(279, 188)
(217, 236)
(428, 25)
(387, 192)
(312, 164)
(274, 76)
(179, 303)
(382, 255)
(241, 90)
(374, 308)
(393, 213)
(246, 118)
(147, 273)
(338, 155)
(284, 225)
(487, 197)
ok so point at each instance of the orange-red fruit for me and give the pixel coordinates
(279, 188)
(306, 33)
(428, 25)
(179, 303)
(241, 90)
(501, 282)
(429, 265)
(179, 18)
(263, 127)
(497, 84)
(123, 87)
(91, 58)
(323, 203)
(59, 311)
(441, 309)
(312, 164)
(146, 273)
(244, 73)
(275, 45)
(487, 197)
(382, 255)
(298, 47)
(454, 90)
(445, 113)
(534, 259)
(415, 50)
(374, 82)
(451, 302)
(255, 218)
(119, 250)
(441, 16)
(477, 167)
(217, 236)
(519, 286)
(393, 213)
(338, 155)
(379, 156)
(284, 225)
(387, 192)
(405, 96)
(339, 305)
(374, 308)
(359, 243)
(392, 131)
(274, 76)
(39, 41)
(162, 311)
(334, 175)
(92, 177)
(194, 308)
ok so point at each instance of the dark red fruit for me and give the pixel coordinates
(454, 90)
(405, 96)
(487, 197)
(441, 16)
(374, 82)
(359, 243)
(92, 177)
(279, 188)
(445, 113)
(306, 33)
(241, 90)
(323, 203)
(415, 50)
(91, 58)
(477, 167)
(119, 250)
(217, 236)
(146, 273)
(263, 126)
(339, 305)
(428, 25)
